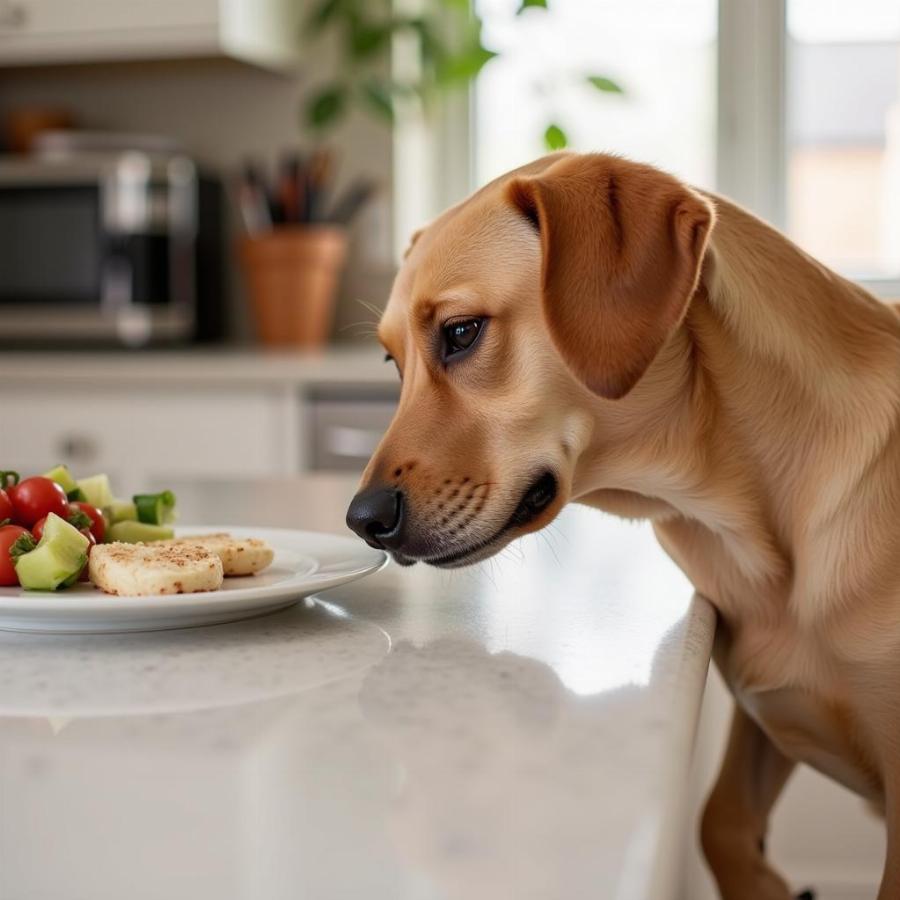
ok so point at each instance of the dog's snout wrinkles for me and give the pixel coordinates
(376, 515)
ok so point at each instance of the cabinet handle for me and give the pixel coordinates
(77, 448)
(13, 15)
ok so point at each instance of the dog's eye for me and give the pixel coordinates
(460, 335)
(389, 358)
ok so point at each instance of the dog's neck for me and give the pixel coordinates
(754, 427)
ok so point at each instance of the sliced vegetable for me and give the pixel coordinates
(9, 534)
(56, 561)
(138, 532)
(83, 515)
(155, 509)
(63, 477)
(121, 511)
(76, 518)
(96, 490)
(6, 508)
(36, 497)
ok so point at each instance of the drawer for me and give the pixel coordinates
(138, 433)
(343, 433)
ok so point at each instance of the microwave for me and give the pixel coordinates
(120, 248)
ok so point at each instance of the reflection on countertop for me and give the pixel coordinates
(521, 730)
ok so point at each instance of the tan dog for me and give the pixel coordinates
(590, 329)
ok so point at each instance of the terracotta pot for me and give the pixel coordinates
(292, 276)
(24, 125)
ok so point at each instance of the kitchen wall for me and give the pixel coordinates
(224, 111)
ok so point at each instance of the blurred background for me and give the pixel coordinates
(203, 204)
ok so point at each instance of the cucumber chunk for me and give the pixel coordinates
(138, 532)
(63, 477)
(57, 560)
(96, 490)
(121, 511)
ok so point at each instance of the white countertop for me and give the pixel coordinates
(520, 730)
(336, 364)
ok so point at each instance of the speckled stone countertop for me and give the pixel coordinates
(518, 731)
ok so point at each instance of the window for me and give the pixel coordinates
(843, 134)
(790, 107)
(662, 54)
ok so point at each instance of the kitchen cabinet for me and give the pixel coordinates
(35, 32)
(147, 417)
(141, 434)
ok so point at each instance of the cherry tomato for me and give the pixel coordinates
(9, 534)
(98, 523)
(6, 507)
(38, 528)
(36, 497)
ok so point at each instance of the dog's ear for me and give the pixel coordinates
(622, 248)
(412, 241)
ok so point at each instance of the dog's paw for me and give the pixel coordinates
(806, 895)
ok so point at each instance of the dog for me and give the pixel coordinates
(590, 329)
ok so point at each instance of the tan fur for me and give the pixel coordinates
(755, 421)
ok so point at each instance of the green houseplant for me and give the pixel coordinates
(444, 39)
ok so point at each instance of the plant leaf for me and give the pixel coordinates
(555, 138)
(379, 97)
(322, 15)
(531, 4)
(464, 66)
(432, 47)
(326, 107)
(365, 39)
(602, 83)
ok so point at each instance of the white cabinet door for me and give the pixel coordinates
(139, 434)
(59, 31)
(48, 18)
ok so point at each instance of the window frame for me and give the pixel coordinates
(434, 163)
(751, 147)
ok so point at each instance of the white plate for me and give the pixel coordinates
(306, 562)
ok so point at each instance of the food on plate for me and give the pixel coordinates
(63, 477)
(86, 504)
(36, 497)
(56, 529)
(93, 519)
(6, 507)
(9, 534)
(129, 532)
(96, 490)
(120, 511)
(155, 509)
(56, 560)
(240, 556)
(143, 569)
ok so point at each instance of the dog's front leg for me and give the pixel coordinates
(890, 882)
(737, 813)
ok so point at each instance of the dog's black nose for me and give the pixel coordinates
(376, 515)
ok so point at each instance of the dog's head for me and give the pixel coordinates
(514, 314)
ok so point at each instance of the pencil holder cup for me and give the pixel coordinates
(292, 276)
